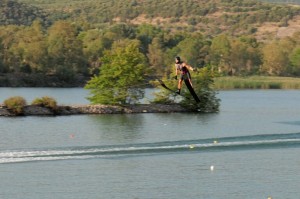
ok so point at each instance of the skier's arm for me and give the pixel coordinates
(176, 70)
(188, 67)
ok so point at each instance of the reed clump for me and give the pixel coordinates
(256, 82)
(15, 105)
(45, 101)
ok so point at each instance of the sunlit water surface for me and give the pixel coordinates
(253, 144)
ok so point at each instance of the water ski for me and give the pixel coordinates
(164, 86)
(192, 91)
(189, 86)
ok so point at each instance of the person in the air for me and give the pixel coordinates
(182, 68)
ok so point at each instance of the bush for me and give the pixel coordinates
(45, 101)
(15, 104)
(202, 83)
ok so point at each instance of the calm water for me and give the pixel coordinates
(253, 144)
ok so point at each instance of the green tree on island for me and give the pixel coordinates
(123, 69)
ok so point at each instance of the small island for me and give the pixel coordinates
(36, 110)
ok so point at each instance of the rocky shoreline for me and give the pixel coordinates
(32, 110)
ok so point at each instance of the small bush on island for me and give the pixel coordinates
(45, 101)
(15, 104)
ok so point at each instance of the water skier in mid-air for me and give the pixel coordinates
(182, 68)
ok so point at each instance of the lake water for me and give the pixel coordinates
(249, 150)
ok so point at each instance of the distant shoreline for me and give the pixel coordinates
(23, 80)
(33, 110)
(41, 80)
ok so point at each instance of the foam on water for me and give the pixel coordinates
(258, 142)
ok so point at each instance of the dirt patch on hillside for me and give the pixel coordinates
(294, 26)
(159, 21)
(268, 30)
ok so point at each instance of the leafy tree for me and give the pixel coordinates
(65, 50)
(190, 49)
(145, 33)
(35, 50)
(123, 68)
(8, 38)
(220, 52)
(2, 66)
(122, 31)
(275, 60)
(245, 56)
(172, 40)
(156, 56)
(272, 59)
(238, 56)
(295, 61)
(15, 57)
(94, 44)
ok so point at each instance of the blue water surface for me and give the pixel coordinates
(252, 144)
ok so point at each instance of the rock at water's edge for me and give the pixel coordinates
(33, 110)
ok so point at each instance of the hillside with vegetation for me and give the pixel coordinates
(18, 13)
(237, 17)
(69, 38)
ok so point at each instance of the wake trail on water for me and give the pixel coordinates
(257, 142)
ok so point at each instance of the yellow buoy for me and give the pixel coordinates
(192, 146)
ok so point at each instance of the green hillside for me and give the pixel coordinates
(71, 37)
(212, 17)
(13, 12)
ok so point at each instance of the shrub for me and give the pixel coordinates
(15, 104)
(45, 101)
(202, 83)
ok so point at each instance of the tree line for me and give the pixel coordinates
(65, 49)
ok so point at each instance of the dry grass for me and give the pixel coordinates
(257, 82)
(273, 29)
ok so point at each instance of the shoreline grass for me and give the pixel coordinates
(256, 82)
